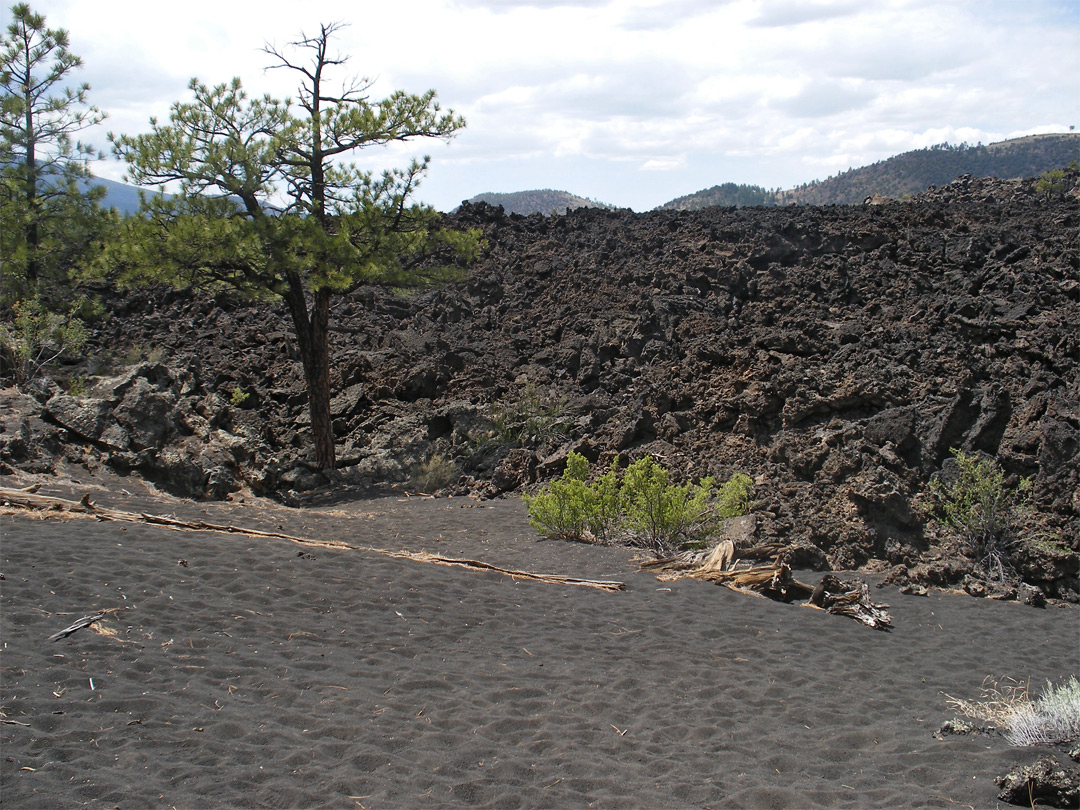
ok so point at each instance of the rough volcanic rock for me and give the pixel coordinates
(155, 420)
(1046, 782)
(836, 354)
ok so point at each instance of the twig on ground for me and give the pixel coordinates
(59, 507)
(85, 621)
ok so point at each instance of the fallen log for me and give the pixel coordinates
(477, 565)
(774, 580)
(85, 508)
(850, 598)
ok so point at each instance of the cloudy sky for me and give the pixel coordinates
(631, 102)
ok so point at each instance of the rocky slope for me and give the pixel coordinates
(835, 354)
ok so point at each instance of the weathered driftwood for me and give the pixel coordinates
(79, 624)
(85, 508)
(722, 566)
(85, 621)
(850, 598)
(477, 565)
(773, 580)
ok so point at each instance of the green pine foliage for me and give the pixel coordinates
(48, 216)
(1054, 184)
(640, 506)
(270, 205)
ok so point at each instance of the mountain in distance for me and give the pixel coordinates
(896, 177)
(543, 201)
(125, 199)
(121, 196)
(905, 174)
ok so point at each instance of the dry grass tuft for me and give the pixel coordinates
(1049, 719)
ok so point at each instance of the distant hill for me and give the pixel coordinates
(905, 174)
(122, 197)
(544, 201)
(730, 195)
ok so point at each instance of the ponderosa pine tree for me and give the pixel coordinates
(267, 206)
(40, 163)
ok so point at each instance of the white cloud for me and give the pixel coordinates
(820, 99)
(663, 164)
(631, 101)
(782, 13)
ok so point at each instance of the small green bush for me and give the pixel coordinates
(568, 508)
(38, 337)
(77, 385)
(530, 418)
(733, 497)
(641, 505)
(238, 396)
(438, 472)
(138, 353)
(970, 499)
(607, 507)
(665, 516)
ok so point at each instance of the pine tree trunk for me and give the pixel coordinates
(33, 238)
(312, 338)
(32, 241)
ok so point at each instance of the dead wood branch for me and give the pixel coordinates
(721, 565)
(850, 598)
(85, 621)
(556, 579)
(60, 507)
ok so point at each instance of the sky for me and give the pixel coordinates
(629, 102)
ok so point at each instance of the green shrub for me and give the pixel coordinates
(530, 418)
(1048, 543)
(733, 497)
(138, 354)
(970, 499)
(665, 516)
(607, 506)
(438, 472)
(567, 509)
(77, 385)
(38, 337)
(641, 505)
(238, 396)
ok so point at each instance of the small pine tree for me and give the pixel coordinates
(41, 166)
(269, 204)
